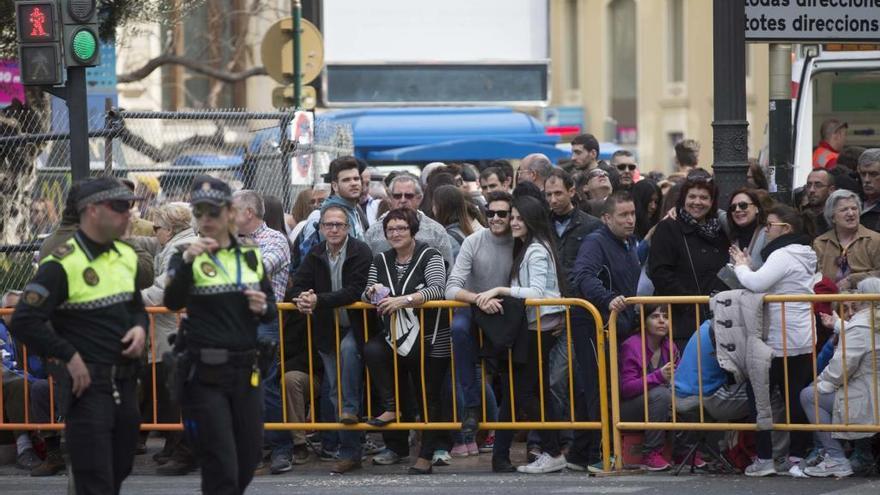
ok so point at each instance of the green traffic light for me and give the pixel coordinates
(84, 45)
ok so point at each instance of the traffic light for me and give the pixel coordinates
(79, 20)
(39, 50)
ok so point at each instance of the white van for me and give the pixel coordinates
(833, 84)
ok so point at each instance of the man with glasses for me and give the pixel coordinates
(625, 163)
(483, 263)
(86, 289)
(820, 184)
(333, 274)
(406, 192)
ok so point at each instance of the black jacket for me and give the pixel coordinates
(670, 268)
(314, 273)
(568, 244)
(505, 330)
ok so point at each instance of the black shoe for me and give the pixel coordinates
(416, 471)
(300, 455)
(281, 462)
(502, 466)
(176, 467)
(470, 422)
(52, 465)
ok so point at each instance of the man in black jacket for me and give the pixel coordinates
(570, 224)
(334, 274)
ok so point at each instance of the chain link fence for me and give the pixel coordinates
(275, 153)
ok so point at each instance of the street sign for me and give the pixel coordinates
(277, 51)
(812, 20)
(39, 47)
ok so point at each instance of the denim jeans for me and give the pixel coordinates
(352, 382)
(466, 349)
(559, 401)
(491, 403)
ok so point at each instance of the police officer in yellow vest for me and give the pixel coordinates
(226, 293)
(86, 289)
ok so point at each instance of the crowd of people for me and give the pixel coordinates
(492, 238)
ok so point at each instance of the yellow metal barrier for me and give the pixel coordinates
(426, 424)
(703, 425)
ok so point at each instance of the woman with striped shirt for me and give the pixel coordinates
(409, 274)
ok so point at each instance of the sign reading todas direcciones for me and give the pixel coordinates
(816, 20)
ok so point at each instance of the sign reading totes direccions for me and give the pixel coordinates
(812, 20)
(10, 83)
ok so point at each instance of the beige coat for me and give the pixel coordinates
(859, 368)
(862, 255)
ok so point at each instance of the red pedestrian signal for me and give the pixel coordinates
(39, 42)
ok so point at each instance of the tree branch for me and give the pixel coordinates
(193, 65)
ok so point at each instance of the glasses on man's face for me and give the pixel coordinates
(118, 205)
(403, 195)
(742, 205)
(210, 210)
(815, 185)
(334, 225)
(597, 173)
(396, 230)
(497, 213)
(626, 166)
(776, 224)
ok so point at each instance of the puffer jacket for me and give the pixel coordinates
(858, 367)
(740, 344)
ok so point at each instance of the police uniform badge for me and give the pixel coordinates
(208, 269)
(90, 276)
(62, 251)
(206, 186)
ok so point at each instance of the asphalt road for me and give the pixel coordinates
(465, 476)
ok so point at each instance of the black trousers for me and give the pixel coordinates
(102, 436)
(223, 418)
(379, 358)
(800, 374)
(586, 446)
(527, 396)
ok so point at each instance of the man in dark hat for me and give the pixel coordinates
(86, 289)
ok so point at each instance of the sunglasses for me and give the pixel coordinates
(597, 173)
(742, 205)
(119, 205)
(403, 195)
(626, 166)
(210, 210)
(498, 213)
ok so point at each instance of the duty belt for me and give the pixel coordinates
(218, 356)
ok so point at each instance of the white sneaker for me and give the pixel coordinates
(545, 463)
(761, 467)
(830, 466)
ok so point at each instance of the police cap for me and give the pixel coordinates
(100, 189)
(207, 189)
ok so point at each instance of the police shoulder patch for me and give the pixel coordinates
(34, 295)
(208, 269)
(62, 251)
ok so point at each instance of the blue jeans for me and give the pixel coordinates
(466, 349)
(352, 382)
(491, 403)
(558, 398)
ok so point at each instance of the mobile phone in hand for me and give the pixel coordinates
(379, 294)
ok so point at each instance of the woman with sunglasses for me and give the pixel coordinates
(225, 290)
(746, 220)
(535, 274)
(849, 252)
(789, 268)
(409, 274)
(687, 251)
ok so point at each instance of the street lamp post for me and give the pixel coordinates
(730, 127)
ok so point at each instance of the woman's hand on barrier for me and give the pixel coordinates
(484, 297)
(79, 374)
(391, 304)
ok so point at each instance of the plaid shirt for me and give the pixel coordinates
(276, 257)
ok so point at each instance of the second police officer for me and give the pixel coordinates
(224, 288)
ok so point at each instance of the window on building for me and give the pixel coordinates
(622, 17)
(675, 49)
(209, 35)
(572, 48)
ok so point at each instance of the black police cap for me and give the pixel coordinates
(207, 189)
(101, 189)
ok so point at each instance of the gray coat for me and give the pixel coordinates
(165, 324)
(858, 367)
(740, 344)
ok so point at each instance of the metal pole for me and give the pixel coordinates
(297, 53)
(730, 128)
(78, 118)
(108, 141)
(780, 120)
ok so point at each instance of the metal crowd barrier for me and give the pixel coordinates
(425, 423)
(704, 425)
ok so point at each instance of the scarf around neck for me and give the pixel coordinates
(710, 229)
